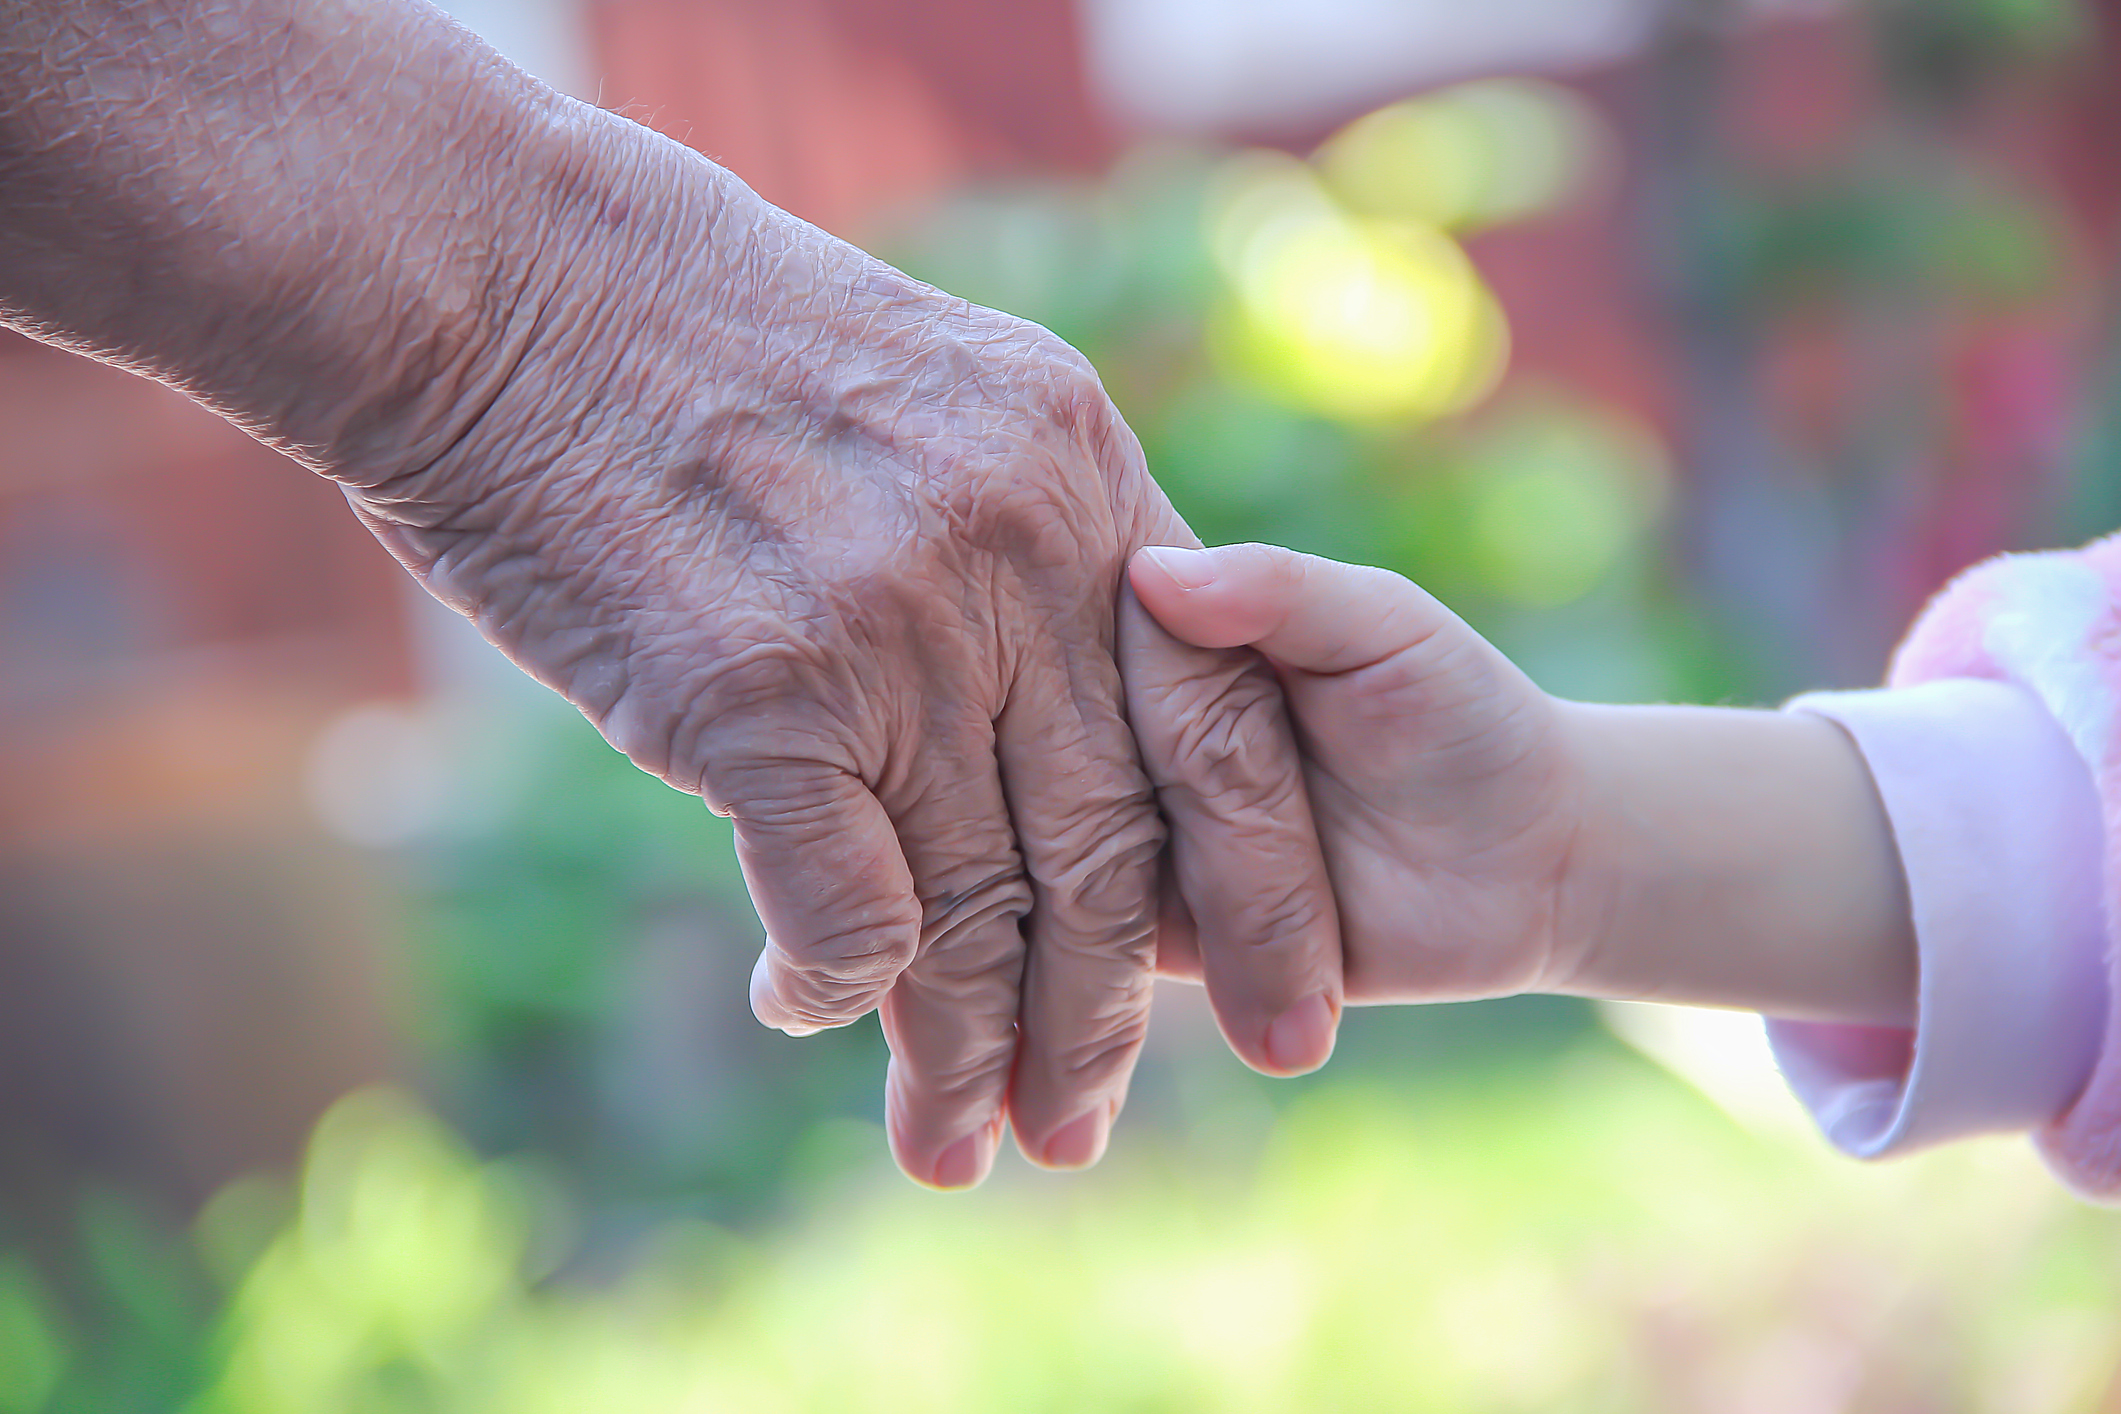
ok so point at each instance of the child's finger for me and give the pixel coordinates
(1302, 611)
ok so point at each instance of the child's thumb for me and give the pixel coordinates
(1302, 611)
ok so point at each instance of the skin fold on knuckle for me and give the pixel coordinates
(953, 1037)
(832, 937)
(967, 912)
(965, 1078)
(1252, 878)
(1258, 914)
(1005, 449)
(664, 699)
(1041, 524)
(976, 970)
(779, 755)
(824, 1000)
(1226, 737)
(864, 957)
(802, 815)
(1103, 1058)
(1037, 361)
(1097, 884)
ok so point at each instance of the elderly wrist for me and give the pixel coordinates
(345, 228)
(619, 248)
(530, 248)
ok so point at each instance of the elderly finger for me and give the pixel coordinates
(1090, 837)
(951, 1017)
(951, 1022)
(825, 871)
(1177, 940)
(1217, 742)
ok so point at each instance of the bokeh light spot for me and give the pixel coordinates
(1560, 495)
(1469, 156)
(1353, 317)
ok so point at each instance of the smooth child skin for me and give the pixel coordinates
(1485, 838)
(832, 549)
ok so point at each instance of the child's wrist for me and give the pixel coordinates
(1733, 858)
(1600, 876)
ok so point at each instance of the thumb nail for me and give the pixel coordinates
(1189, 569)
(1301, 1038)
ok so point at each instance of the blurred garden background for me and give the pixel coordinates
(373, 1038)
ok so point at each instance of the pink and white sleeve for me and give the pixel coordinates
(1993, 751)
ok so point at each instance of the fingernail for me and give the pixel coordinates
(1301, 1038)
(1189, 569)
(1076, 1144)
(964, 1163)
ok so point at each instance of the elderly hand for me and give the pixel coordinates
(839, 553)
(834, 550)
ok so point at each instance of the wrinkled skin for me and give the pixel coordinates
(1442, 781)
(834, 550)
(839, 553)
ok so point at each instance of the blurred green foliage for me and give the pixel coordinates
(1937, 57)
(1957, 233)
(586, 944)
(1583, 1236)
(115, 1316)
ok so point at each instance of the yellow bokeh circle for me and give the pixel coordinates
(1355, 317)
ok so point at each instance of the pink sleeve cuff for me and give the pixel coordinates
(1999, 830)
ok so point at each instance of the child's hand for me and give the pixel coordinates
(1485, 838)
(1445, 797)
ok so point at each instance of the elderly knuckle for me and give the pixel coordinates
(826, 1000)
(1266, 821)
(762, 675)
(1003, 896)
(1170, 716)
(786, 827)
(1105, 1054)
(1115, 945)
(1230, 739)
(769, 740)
(969, 1077)
(1270, 914)
(826, 1015)
(1033, 513)
(1098, 875)
(1065, 367)
(853, 959)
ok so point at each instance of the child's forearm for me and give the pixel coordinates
(1734, 858)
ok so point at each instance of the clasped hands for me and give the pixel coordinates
(877, 574)
(846, 557)
(884, 577)
(850, 559)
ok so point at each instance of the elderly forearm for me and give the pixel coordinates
(343, 223)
